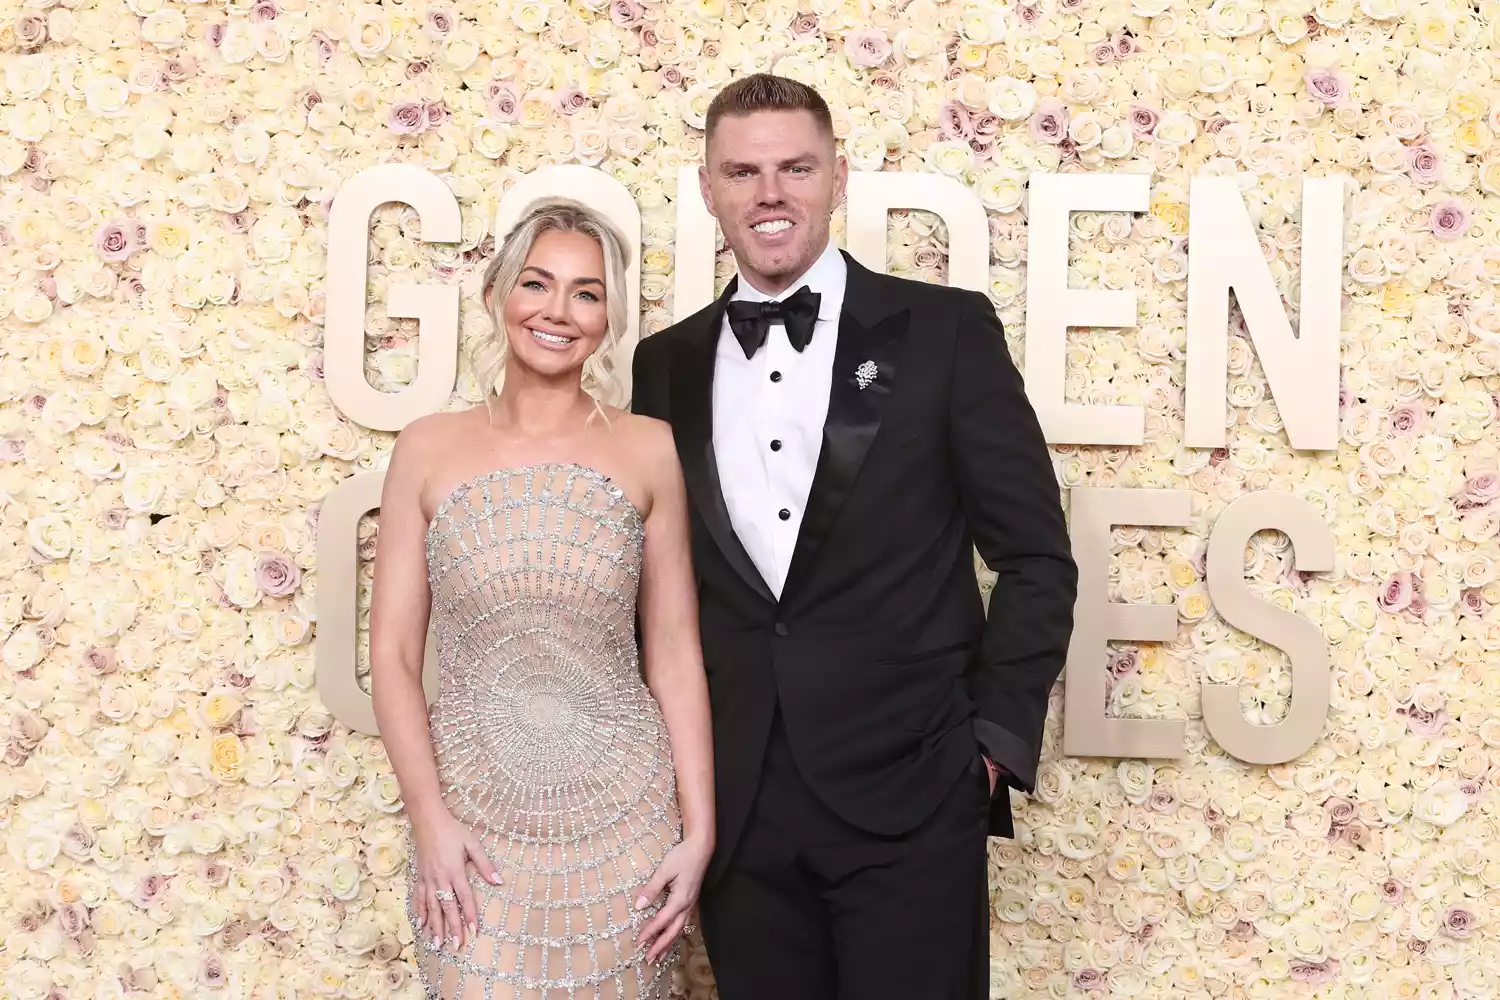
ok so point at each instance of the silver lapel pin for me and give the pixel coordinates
(865, 374)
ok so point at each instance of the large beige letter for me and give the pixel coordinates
(338, 562)
(1303, 370)
(609, 198)
(1052, 307)
(1087, 730)
(871, 197)
(693, 256)
(435, 307)
(1312, 544)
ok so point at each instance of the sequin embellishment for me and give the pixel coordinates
(548, 743)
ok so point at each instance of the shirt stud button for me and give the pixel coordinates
(776, 445)
(776, 376)
(784, 514)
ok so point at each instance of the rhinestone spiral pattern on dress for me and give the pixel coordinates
(548, 743)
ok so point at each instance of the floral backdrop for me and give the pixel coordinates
(182, 818)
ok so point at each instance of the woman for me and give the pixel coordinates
(551, 858)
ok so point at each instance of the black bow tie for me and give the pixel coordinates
(751, 321)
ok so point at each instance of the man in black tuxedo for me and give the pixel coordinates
(848, 439)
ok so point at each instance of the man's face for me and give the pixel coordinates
(772, 180)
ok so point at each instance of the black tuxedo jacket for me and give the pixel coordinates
(889, 676)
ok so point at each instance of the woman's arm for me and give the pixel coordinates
(398, 640)
(674, 673)
(399, 610)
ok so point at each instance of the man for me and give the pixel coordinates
(848, 439)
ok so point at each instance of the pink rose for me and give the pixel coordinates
(214, 33)
(73, 918)
(1123, 661)
(1327, 86)
(1143, 121)
(30, 30)
(436, 113)
(1479, 491)
(1424, 723)
(804, 26)
(1397, 593)
(276, 575)
(570, 100)
(148, 889)
(1408, 418)
(626, 13)
(407, 118)
(1392, 891)
(954, 121)
(1450, 220)
(1124, 43)
(1049, 122)
(324, 46)
(1088, 979)
(265, 10)
(114, 242)
(438, 23)
(1459, 922)
(1104, 53)
(867, 48)
(501, 101)
(1316, 973)
(1471, 603)
(179, 69)
(1340, 810)
(12, 449)
(212, 974)
(1423, 164)
(99, 660)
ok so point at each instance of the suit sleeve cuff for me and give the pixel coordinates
(1004, 748)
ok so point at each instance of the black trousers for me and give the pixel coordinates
(813, 908)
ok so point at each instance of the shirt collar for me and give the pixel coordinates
(826, 276)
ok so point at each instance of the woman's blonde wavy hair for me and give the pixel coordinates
(502, 274)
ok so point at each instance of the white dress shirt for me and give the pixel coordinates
(768, 414)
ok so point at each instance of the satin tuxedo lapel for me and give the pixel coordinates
(693, 403)
(871, 330)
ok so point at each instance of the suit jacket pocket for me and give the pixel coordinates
(924, 655)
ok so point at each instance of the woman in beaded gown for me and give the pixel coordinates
(559, 790)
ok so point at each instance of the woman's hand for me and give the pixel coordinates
(680, 876)
(443, 898)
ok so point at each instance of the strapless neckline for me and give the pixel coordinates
(610, 486)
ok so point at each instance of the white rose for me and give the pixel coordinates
(1442, 804)
(1011, 99)
(1001, 192)
(165, 28)
(952, 157)
(51, 536)
(1116, 142)
(28, 980)
(865, 149)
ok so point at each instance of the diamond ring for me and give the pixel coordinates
(445, 895)
(688, 929)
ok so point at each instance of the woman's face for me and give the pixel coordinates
(555, 316)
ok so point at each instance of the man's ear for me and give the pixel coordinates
(706, 190)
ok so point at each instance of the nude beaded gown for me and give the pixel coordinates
(548, 743)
